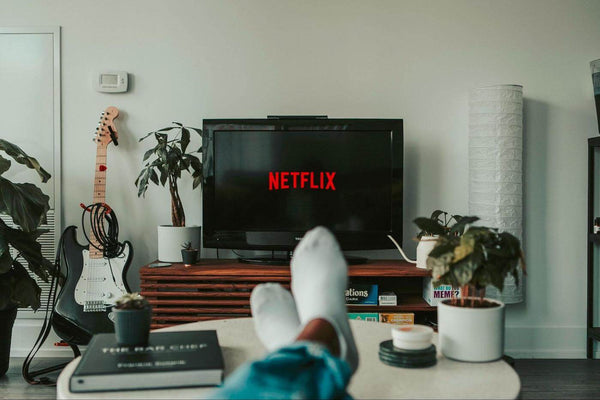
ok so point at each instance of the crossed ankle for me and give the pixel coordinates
(321, 331)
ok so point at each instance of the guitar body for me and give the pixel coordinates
(74, 319)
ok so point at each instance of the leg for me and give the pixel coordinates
(306, 369)
(320, 360)
(274, 314)
(322, 332)
(319, 282)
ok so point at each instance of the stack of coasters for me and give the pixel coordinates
(390, 355)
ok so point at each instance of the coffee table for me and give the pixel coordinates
(373, 379)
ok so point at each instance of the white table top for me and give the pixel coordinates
(373, 379)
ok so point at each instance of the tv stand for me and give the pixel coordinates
(216, 289)
(351, 260)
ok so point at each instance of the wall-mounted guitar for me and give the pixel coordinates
(95, 276)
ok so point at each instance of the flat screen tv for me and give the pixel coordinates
(268, 181)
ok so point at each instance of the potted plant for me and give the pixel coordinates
(471, 328)
(437, 224)
(164, 164)
(133, 315)
(27, 206)
(188, 254)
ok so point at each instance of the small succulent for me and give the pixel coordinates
(131, 301)
(186, 246)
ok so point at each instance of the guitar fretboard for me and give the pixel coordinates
(99, 192)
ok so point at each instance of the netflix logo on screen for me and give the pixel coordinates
(282, 180)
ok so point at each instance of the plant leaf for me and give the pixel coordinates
(429, 225)
(25, 203)
(154, 177)
(155, 132)
(163, 174)
(185, 139)
(22, 158)
(436, 214)
(195, 162)
(25, 290)
(148, 154)
(4, 165)
(31, 250)
(197, 181)
(168, 128)
(459, 227)
(441, 249)
(197, 130)
(142, 182)
(5, 258)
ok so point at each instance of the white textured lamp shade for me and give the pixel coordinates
(496, 166)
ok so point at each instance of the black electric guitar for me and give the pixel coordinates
(93, 282)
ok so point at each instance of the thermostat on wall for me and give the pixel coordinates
(111, 82)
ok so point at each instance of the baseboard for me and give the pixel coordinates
(546, 342)
(26, 331)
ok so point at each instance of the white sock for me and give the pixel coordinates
(275, 317)
(319, 281)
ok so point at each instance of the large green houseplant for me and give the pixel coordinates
(27, 206)
(164, 164)
(471, 257)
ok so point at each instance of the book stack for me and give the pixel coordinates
(367, 295)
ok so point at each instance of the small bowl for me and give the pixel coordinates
(412, 337)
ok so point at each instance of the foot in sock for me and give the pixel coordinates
(275, 317)
(319, 281)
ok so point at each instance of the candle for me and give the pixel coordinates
(412, 337)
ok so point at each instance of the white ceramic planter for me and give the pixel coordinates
(426, 244)
(170, 239)
(471, 334)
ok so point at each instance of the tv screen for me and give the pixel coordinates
(266, 182)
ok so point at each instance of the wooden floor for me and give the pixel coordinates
(540, 379)
(559, 379)
(13, 386)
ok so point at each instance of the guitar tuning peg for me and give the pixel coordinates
(102, 113)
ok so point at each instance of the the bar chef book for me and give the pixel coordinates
(170, 359)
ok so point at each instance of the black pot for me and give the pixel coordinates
(132, 326)
(189, 256)
(7, 320)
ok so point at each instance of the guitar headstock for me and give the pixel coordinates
(106, 131)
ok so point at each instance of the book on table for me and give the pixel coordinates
(169, 360)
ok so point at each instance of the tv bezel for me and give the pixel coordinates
(287, 240)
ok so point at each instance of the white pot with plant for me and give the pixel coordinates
(164, 164)
(431, 228)
(471, 327)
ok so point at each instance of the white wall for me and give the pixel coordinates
(412, 59)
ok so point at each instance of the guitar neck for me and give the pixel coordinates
(99, 193)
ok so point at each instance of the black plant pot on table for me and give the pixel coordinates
(7, 320)
(132, 326)
(189, 257)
